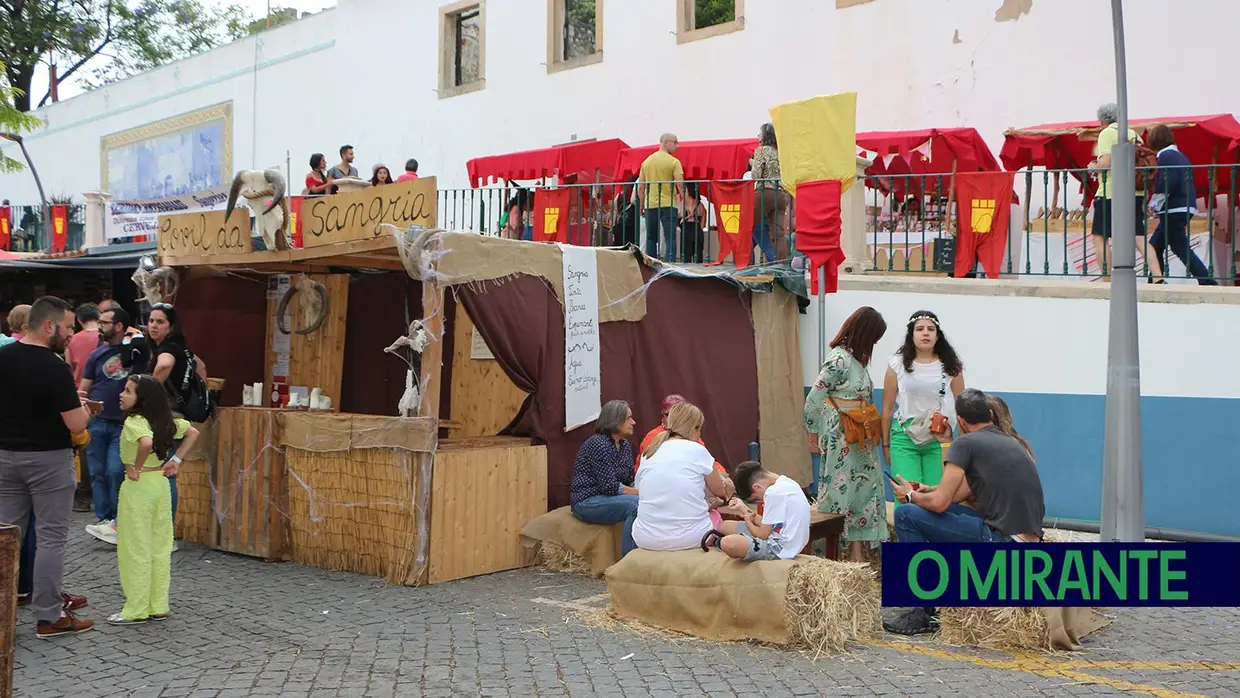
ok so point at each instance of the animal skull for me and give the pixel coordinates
(255, 186)
(157, 286)
(314, 304)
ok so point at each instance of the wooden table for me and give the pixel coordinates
(827, 528)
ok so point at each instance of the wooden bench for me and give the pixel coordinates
(826, 528)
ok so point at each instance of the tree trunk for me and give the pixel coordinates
(21, 79)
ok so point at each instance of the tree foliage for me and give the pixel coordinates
(277, 17)
(13, 122)
(708, 13)
(102, 41)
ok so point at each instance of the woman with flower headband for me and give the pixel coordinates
(919, 392)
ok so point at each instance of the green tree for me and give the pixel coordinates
(277, 17)
(101, 41)
(12, 124)
(708, 13)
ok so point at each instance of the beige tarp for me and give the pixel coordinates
(781, 428)
(598, 545)
(1066, 626)
(708, 595)
(324, 432)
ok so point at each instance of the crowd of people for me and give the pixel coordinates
(321, 180)
(101, 391)
(981, 485)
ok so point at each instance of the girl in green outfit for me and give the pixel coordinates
(850, 478)
(923, 379)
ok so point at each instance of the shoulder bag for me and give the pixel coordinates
(862, 425)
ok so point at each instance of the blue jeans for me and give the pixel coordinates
(606, 510)
(1173, 228)
(959, 524)
(664, 218)
(103, 462)
(762, 238)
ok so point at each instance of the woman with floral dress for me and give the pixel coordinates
(850, 477)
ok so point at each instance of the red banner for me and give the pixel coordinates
(983, 210)
(819, 226)
(60, 227)
(6, 227)
(551, 215)
(294, 220)
(734, 202)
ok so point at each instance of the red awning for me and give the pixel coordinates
(926, 152)
(1205, 140)
(702, 160)
(581, 161)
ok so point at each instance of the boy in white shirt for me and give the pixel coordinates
(782, 531)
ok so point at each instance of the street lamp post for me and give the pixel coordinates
(1123, 506)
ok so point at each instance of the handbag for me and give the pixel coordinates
(862, 425)
(921, 430)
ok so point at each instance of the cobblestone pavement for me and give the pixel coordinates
(242, 627)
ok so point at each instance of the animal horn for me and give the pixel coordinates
(317, 322)
(232, 195)
(282, 308)
(324, 306)
(278, 185)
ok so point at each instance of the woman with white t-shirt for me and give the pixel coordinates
(672, 513)
(923, 379)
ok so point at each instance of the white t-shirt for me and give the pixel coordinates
(926, 390)
(671, 505)
(785, 503)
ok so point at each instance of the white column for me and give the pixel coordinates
(96, 209)
(852, 213)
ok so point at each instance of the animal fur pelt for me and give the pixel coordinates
(256, 187)
(314, 304)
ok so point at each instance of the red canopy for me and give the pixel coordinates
(581, 161)
(1206, 140)
(932, 151)
(702, 160)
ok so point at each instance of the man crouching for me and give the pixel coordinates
(780, 533)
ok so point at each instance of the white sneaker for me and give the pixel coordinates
(104, 531)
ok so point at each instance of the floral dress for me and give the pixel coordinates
(850, 477)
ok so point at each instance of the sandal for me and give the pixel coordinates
(708, 543)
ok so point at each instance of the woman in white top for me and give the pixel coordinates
(671, 512)
(923, 379)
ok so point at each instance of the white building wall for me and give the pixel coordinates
(367, 73)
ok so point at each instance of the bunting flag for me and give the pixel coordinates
(734, 202)
(60, 227)
(6, 227)
(294, 220)
(819, 226)
(551, 215)
(983, 209)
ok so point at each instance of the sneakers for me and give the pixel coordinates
(116, 619)
(73, 603)
(916, 622)
(67, 625)
(711, 540)
(104, 531)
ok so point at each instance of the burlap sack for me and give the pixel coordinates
(1065, 627)
(708, 595)
(598, 545)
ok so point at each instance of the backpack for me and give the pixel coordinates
(193, 399)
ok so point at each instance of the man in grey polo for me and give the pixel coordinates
(39, 413)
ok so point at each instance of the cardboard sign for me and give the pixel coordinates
(204, 233)
(360, 215)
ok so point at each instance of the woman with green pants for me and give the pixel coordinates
(923, 379)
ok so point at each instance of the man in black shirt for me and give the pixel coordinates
(40, 411)
(986, 467)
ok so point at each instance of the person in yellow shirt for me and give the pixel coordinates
(659, 187)
(1108, 115)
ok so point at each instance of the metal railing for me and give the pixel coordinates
(31, 232)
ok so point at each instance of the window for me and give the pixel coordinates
(701, 19)
(462, 42)
(574, 32)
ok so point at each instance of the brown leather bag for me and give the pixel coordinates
(862, 425)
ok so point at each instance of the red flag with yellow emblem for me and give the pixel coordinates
(734, 202)
(60, 227)
(6, 227)
(294, 220)
(983, 210)
(551, 215)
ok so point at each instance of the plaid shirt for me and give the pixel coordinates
(601, 468)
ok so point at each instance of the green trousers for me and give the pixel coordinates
(915, 463)
(144, 544)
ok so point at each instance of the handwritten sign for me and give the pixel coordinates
(360, 215)
(478, 349)
(583, 382)
(204, 233)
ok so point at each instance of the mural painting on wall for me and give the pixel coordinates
(175, 165)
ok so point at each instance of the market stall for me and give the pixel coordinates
(702, 160)
(317, 468)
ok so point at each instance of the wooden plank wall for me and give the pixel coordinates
(10, 555)
(483, 491)
(195, 521)
(251, 484)
(484, 398)
(316, 360)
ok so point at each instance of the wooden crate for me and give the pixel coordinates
(249, 480)
(483, 491)
(10, 555)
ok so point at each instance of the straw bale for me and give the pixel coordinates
(557, 558)
(995, 628)
(828, 604)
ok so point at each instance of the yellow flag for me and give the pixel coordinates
(817, 139)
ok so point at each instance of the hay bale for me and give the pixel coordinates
(1008, 629)
(557, 558)
(828, 604)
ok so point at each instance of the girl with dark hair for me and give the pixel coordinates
(148, 451)
(602, 491)
(380, 175)
(919, 396)
(843, 427)
(317, 181)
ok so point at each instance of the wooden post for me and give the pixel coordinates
(10, 554)
(431, 372)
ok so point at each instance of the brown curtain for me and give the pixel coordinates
(225, 321)
(372, 380)
(696, 340)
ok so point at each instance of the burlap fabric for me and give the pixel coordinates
(598, 545)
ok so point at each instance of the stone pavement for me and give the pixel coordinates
(242, 627)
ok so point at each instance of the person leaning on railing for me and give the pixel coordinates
(317, 181)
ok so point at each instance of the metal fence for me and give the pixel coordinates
(31, 232)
